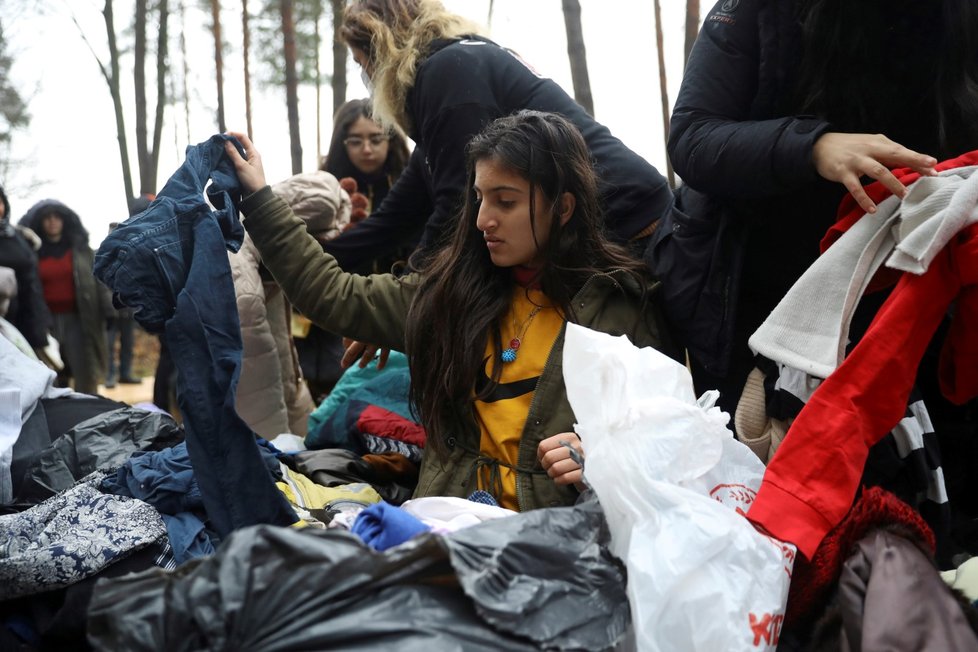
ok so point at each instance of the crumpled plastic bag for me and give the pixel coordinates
(674, 485)
(540, 580)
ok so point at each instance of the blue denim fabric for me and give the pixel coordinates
(165, 479)
(169, 263)
(146, 260)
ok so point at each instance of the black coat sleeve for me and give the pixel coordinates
(449, 132)
(33, 318)
(456, 94)
(398, 220)
(715, 144)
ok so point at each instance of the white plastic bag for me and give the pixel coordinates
(674, 485)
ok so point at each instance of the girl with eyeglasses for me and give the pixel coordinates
(372, 156)
(363, 150)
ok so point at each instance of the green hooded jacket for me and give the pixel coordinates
(374, 309)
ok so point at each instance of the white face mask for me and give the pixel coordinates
(365, 78)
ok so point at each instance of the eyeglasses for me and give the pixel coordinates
(357, 142)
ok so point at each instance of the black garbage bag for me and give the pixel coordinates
(104, 441)
(539, 580)
(545, 575)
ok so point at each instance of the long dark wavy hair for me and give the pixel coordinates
(337, 160)
(462, 296)
(849, 65)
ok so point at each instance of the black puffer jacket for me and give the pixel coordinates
(27, 310)
(740, 141)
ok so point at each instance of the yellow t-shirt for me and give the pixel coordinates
(503, 415)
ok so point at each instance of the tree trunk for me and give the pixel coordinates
(692, 26)
(218, 62)
(663, 88)
(338, 81)
(246, 47)
(317, 38)
(162, 72)
(139, 82)
(577, 54)
(112, 79)
(186, 68)
(148, 157)
(291, 83)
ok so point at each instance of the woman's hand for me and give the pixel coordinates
(251, 174)
(847, 157)
(555, 457)
(365, 352)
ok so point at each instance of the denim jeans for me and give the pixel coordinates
(169, 263)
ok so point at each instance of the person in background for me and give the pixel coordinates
(364, 151)
(773, 128)
(77, 301)
(483, 321)
(120, 323)
(432, 75)
(272, 395)
(435, 78)
(27, 310)
(367, 159)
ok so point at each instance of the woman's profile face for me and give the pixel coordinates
(504, 215)
(367, 145)
(361, 59)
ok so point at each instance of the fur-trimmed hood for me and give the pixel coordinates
(74, 231)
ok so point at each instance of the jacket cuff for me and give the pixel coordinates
(793, 155)
(787, 517)
(255, 200)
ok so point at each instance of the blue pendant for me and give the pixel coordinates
(509, 355)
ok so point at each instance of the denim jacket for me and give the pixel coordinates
(146, 259)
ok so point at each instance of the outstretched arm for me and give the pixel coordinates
(372, 308)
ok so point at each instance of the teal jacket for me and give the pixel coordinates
(374, 309)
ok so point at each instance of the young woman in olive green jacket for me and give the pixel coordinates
(483, 323)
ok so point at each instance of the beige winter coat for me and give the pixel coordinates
(317, 198)
(272, 396)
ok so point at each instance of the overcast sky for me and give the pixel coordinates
(71, 151)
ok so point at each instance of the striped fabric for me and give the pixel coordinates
(906, 462)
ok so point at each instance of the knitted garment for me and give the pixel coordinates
(811, 581)
(809, 328)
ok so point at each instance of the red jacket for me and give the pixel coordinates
(810, 483)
